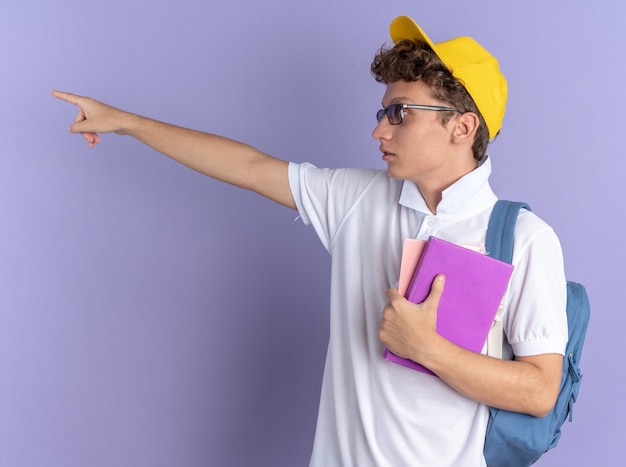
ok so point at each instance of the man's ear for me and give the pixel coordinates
(465, 128)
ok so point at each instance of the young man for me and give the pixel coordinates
(442, 104)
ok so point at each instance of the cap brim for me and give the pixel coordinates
(404, 27)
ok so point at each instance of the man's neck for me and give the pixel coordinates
(432, 189)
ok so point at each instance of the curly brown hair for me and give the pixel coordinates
(412, 61)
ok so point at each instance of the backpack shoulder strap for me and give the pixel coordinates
(499, 245)
(501, 230)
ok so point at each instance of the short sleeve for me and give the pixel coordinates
(324, 197)
(535, 321)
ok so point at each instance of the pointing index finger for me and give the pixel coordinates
(66, 96)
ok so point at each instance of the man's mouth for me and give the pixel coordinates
(387, 155)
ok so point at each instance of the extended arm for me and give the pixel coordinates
(528, 384)
(215, 156)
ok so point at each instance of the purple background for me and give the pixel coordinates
(152, 317)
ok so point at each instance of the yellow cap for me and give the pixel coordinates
(470, 63)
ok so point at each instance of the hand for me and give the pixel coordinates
(93, 117)
(409, 329)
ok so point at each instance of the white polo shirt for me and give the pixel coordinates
(376, 413)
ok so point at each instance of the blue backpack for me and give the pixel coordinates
(516, 439)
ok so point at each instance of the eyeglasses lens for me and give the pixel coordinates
(394, 113)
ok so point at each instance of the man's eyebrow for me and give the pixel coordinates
(399, 100)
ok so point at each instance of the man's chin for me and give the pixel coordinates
(395, 174)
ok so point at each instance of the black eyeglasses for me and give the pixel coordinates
(395, 112)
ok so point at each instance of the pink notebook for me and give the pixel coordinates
(475, 285)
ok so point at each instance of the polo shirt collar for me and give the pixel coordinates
(467, 195)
